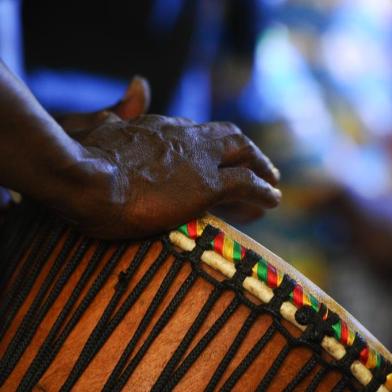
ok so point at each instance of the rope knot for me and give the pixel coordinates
(318, 323)
(281, 294)
(353, 352)
(243, 270)
(379, 376)
(203, 242)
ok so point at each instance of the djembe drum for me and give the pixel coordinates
(200, 308)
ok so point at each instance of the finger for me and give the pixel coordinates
(75, 122)
(243, 185)
(111, 117)
(238, 150)
(136, 99)
(81, 127)
(182, 121)
(159, 122)
(218, 130)
(241, 151)
(134, 103)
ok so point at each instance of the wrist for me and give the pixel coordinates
(85, 189)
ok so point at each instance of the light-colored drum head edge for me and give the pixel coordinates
(307, 285)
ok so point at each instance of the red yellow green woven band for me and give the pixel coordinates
(267, 273)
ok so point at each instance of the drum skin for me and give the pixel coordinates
(145, 375)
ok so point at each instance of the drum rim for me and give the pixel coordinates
(332, 345)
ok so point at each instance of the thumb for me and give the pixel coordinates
(135, 101)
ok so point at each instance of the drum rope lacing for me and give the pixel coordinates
(318, 323)
(15, 297)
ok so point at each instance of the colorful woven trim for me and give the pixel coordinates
(267, 273)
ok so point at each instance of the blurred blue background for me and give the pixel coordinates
(309, 81)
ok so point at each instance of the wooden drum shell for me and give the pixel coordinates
(143, 378)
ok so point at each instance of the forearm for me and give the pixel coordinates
(34, 149)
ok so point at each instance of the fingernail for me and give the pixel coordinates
(137, 79)
(276, 173)
(136, 82)
(277, 193)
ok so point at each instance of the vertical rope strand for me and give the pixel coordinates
(89, 349)
(277, 364)
(161, 323)
(312, 387)
(5, 364)
(241, 335)
(55, 339)
(341, 385)
(200, 346)
(19, 232)
(15, 296)
(155, 303)
(247, 361)
(187, 339)
(299, 377)
(39, 308)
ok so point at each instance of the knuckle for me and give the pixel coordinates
(234, 129)
(248, 176)
(246, 181)
(157, 117)
(250, 151)
(243, 141)
(223, 128)
(237, 142)
(215, 186)
(183, 121)
(149, 119)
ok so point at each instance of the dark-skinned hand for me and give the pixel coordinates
(151, 173)
(120, 174)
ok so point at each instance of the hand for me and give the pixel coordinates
(118, 178)
(150, 174)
